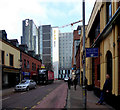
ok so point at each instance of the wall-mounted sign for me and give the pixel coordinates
(26, 73)
(91, 52)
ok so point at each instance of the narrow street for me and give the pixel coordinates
(47, 96)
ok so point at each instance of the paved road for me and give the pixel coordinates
(41, 97)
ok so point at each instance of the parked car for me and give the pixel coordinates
(25, 85)
(66, 79)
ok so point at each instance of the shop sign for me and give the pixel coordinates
(26, 73)
(91, 52)
(8, 70)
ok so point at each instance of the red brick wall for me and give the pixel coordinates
(75, 37)
(31, 60)
(97, 62)
(78, 58)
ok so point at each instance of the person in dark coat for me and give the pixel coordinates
(75, 81)
(107, 88)
(69, 83)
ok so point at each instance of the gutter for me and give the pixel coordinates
(107, 28)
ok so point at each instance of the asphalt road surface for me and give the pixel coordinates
(46, 96)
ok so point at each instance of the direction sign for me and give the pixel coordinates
(91, 52)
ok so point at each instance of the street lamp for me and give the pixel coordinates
(84, 84)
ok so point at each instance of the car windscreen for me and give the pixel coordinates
(25, 81)
(42, 71)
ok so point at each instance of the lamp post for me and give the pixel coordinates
(20, 70)
(84, 79)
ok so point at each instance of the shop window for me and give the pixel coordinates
(11, 60)
(109, 10)
(3, 57)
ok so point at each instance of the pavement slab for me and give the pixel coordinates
(75, 100)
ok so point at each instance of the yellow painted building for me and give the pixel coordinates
(103, 32)
(10, 61)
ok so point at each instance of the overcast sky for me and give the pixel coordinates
(54, 12)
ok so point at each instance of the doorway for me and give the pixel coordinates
(109, 63)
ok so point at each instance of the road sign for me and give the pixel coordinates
(91, 52)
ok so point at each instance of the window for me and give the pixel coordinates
(79, 32)
(35, 67)
(54, 43)
(109, 11)
(38, 66)
(11, 60)
(24, 63)
(27, 64)
(3, 57)
(32, 66)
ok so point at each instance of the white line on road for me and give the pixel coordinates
(23, 92)
(41, 86)
(6, 98)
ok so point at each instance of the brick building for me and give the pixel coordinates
(77, 58)
(76, 41)
(30, 64)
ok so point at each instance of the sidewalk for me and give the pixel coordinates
(75, 100)
(8, 91)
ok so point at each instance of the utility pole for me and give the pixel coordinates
(84, 79)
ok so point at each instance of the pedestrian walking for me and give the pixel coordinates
(69, 83)
(75, 81)
(107, 88)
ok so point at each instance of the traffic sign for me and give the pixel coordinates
(91, 52)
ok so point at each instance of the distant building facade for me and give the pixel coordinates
(45, 44)
(65, 54)
(76, 42)
(55, 51)
(30, 35)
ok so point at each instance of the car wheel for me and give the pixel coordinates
(35, 87)
(27, 89)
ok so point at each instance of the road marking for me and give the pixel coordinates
(6, 98)
(23, 92)
(25, 108)
(39, 102)
(34, 106)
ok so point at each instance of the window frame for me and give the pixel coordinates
(9, 59)
(2, 57)
(24, 63)
(108, 11)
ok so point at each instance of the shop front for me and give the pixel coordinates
(26, 75)
(34, 76)
(10, 77)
